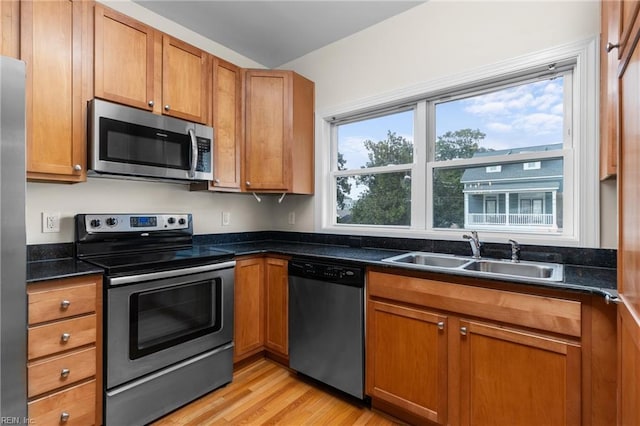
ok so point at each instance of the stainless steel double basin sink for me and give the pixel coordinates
(492, 268)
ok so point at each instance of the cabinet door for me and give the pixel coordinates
(51, 46)
(610, 25)
(277, 303)
(515, 377)
(248, 308)
(185, 76)
(268, 118)
(407, 359)
(10, 28)
(227, 124)
(628, 237)
(124, 59)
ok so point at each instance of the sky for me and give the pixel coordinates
(525, 115)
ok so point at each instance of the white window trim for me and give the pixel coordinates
(586, 219)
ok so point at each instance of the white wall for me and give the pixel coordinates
(442, 38)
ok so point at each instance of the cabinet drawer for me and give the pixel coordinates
(77, 404)
(62, 335)
(52, 373)
(52, 301)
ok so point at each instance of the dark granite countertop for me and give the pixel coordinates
(59, 268)
(585, 279)
(585, 270)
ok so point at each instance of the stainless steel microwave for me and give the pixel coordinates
(127, 141)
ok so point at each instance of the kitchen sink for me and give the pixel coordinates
(552, 272)
(429, 259)
(504, 269)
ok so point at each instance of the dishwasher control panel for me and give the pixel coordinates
(341, 274)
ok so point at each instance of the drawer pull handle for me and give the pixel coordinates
(65, 337)
(64, 417)
(65, 304)
(65, 372)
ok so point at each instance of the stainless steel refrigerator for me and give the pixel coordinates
(13, 250)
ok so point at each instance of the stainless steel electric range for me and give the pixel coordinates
(168, 312)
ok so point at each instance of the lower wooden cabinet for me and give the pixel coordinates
(407, 359)
(64, 351)
(445, 353)
(261, 307)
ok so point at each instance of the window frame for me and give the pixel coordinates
(580, 159)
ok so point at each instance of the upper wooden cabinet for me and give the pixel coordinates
(228, 125)
(54, 43)
(279, 134)
(10, 28)
(610, 37)
(138, 66)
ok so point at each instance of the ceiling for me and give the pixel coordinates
(273, 33)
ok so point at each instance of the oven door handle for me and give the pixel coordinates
(169, 274)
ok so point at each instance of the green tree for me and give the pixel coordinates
(386, 199)
(343, 185)
(448, 198)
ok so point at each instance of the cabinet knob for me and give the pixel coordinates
(65, 304)
(64, 417)
(151, 104)
(216, 181)
(441, 325)
(65, 372)
(167, 107)
(463, 331)
(77, 168)
(247, 183)
(610, 46)
(65, 337)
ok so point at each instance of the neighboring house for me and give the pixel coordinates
(514, 195)
(344, 214)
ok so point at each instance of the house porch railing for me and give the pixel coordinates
(511, 219)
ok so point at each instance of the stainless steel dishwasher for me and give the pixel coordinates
(326, 323)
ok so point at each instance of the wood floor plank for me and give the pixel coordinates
(266, 393)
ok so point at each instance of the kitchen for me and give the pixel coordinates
(421, 29)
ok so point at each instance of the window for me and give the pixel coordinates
(510, 153)
(373, 166)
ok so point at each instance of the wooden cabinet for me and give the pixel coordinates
(629, 210)
(610, 37)
(276, 292)
(64, 367)
(261, 308)
(54, 43)
(248, 308)
(138, 66)
(512, 376)
(228, 127)
(448, 353)
(407, 359)
(279, 132)
(10, 28)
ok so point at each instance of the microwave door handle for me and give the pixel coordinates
(194, 152)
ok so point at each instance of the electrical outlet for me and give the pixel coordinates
(292, 218)
(50, 222)
(226, 218)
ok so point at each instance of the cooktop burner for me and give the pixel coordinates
(127, 244)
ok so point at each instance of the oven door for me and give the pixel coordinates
(158, 319)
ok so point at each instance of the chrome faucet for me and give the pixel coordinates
(474, 242)
(515, 251)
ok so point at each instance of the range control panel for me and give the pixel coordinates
(135, 222)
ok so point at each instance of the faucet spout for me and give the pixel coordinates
(474, 242)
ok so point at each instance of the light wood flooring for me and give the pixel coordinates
(265, 393)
